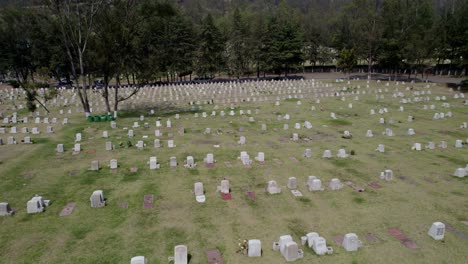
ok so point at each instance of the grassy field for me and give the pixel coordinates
(422, 192)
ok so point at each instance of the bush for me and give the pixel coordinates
(14, 83)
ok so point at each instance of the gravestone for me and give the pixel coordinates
(245, 158)
(314, 184)
(78, 137)
(254, 248)
(113, 164)
(180, 254)
(209, 160)
(77, 148)
(308, 153)
(292, 183)
(318, 244)
(386, 175)
(94, 165)
(388, 132)
(460, 172)
(369, 133)
(327, 154)
(170, 143)
(190, 162)
(260, 157)
(342, 153)
(272, 187)
(173, 162)
(437, 230)
(351, 242)
(97, 199)
(295, 137)
(157, 143)
(416, 146)
(199, 192)
(140, 144)
(241, 140)
(380, 148)
(153, 163)
(60, 148)
(224, 188)
(109, 146)
(5, 209)
(36, 205)
(430, 145)
(443, 144)
(335, 184)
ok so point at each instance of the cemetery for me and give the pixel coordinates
(184, 172)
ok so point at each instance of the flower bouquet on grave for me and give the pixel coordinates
(243, 245)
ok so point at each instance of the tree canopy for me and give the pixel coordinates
(142, 41)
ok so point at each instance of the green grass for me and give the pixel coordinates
(113, 235)
(339, 122)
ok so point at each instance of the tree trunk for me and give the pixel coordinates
(116, 95)
(106, 93)
(84, 96)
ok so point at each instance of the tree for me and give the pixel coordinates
(76, 20)
(281, 42)
(360, 29)
(210, 57)
(237, 46)
(347, 60)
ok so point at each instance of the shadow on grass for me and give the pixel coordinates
(340, 122)
(297, 227)
(160, 111)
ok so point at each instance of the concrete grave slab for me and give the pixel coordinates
(68, 209)
(429, 180)
(404, 240)
(226, 196)
(148, 201)
(123, 205)
(408, 180)
(278, 162)
(339, 240)
(456, 232)
(371, 238)
(355, 187)
(374, 185)
(296, 193)
(214, 256)
(293, 159)
(250, 195)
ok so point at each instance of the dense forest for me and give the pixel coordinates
(141, 41)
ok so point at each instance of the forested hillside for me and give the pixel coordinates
(142, 41)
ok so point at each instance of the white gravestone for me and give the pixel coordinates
(351, 242)
(437, 230)
(97, 199)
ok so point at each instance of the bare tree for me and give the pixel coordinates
(76, 22)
